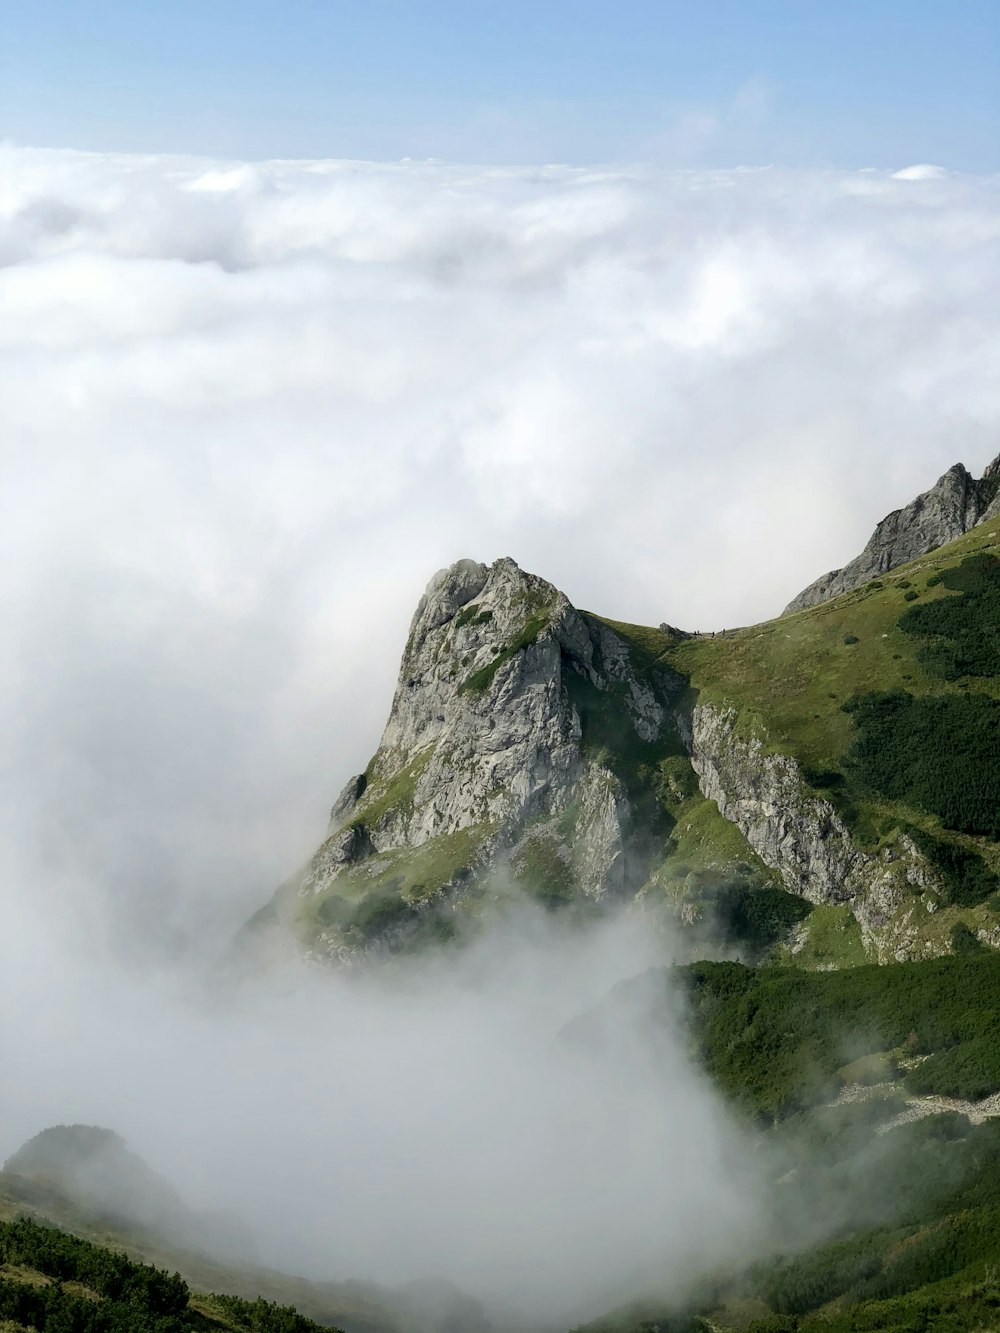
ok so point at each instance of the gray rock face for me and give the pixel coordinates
(485, 739)
(800, 835)
(953, 505)
(480, 715)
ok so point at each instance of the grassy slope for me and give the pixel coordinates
(788, 679)
(789, 676)
(795, 672)
(348, 1305)
(52, 1279)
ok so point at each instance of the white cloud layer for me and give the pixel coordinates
(249, 408)
(433, 1120)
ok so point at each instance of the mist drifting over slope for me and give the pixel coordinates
(433, 1118)
(249, 409)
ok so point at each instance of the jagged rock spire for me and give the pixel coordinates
(484, 764)
(955, 503)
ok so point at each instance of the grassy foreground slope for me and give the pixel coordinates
(355, 1307)
(50, 1280)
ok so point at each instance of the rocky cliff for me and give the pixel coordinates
(535, 749)
(796, 831)
(955, 503)
(511, 756)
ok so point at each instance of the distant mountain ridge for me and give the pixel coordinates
(85, 1179)
(93, 1166)
(955, 503)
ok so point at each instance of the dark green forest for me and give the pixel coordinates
(774, 1037)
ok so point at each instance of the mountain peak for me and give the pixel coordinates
(489, 746)
(94, 1168)
(954, 504)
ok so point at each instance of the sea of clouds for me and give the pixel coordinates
(248, 410)
(485, 1117)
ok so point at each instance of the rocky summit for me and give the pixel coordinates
(509, 759)
(954, 504)
(815, 787)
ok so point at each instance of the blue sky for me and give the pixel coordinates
(883, 83)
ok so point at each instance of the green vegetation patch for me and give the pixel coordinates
(967, 878)
(775, 1037)
(940, 753)
(541, 867)
(701, 838)
(378, 915)
(930, 1260)
(970, 1070)
(472, 615)
(741, 905)
(111, 1276)
(52, 1281)
(963, 939)
(832, 939)
(963, 631)
(395, 793)
(397, 906)
(758, 914)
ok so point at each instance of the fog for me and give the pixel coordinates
(249, 408)
(430, 1118)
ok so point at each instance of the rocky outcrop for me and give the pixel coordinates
(487, 741)
(482, 730)
(533, 746)
(797, 832)
(953, 505)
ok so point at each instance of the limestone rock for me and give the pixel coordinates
(953, 505)
(799, 834)
(500, 679)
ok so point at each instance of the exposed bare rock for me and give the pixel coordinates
(954, 504)
(484, 742)
(798, 833)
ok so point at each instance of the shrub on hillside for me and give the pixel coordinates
(774, 1037)
(964, 940)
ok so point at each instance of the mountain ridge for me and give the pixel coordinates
(535, 748)
(85, 1180)
(955, 503)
